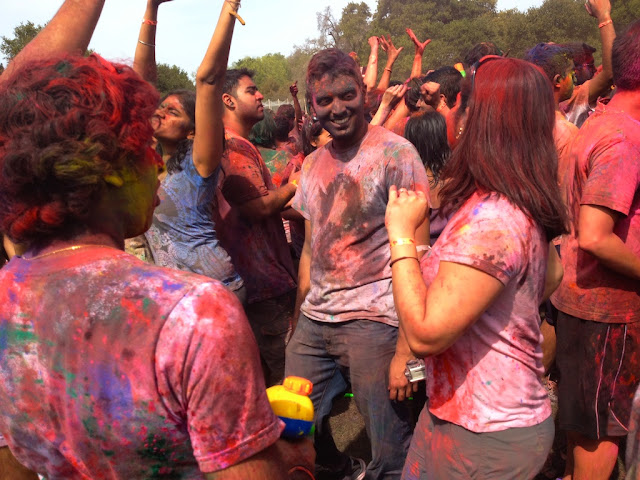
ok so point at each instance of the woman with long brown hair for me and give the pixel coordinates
(470, 307)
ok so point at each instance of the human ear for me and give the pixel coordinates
(227, 100)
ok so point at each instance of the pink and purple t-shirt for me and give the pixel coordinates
(344, 195)
(109, 364)
(489, 379)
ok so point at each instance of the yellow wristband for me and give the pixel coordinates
(402, 241)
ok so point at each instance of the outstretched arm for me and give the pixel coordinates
(69, 31)
(416, 69)
(144, 62)
(207, 144)
(601, 11)
(371, 74)
(392, 55)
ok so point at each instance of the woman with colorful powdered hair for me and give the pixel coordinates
(470, 306)
(111, 367)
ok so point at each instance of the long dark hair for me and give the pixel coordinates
(507, 145)
(187, 99)
(428, 133)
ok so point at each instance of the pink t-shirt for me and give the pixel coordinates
(344, 195)
(489, 379)
(109, 364)
(258, 248)
(606, 172)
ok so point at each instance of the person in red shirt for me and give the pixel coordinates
(598, 325)
(250, 225)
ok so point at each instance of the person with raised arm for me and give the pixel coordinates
(144, 61)
(189, 130)
(111, 367)
(590, 86)
(371, 72)
(416, 68)
(393, 53)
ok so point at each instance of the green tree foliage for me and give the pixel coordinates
(453, 25)
(23, 34)
(272, 74)
(172, 77)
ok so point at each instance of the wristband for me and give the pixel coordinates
(605, 23)
(300, 468)
(147, 44)
(146, 21)
(402, 258)
(387, 68)
(402, 241)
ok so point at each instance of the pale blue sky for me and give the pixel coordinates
(185, 26)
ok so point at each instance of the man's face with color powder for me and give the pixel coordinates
(339, 105)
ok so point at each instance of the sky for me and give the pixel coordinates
(185, 26)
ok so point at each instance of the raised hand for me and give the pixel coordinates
(373, 42)
(420, 46)
(600, 9)
(388, 46)
(293, 89)
(393, 95)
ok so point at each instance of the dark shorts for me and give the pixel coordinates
(599, 371)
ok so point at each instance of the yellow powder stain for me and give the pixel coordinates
(464, 229)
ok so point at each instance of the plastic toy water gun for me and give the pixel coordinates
(291, 403)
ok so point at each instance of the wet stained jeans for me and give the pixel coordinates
(359, 352)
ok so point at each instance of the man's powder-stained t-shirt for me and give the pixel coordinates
(108, 364)
(344, 195)
(605, 172)
(258, 247)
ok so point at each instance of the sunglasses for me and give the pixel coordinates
(486, 59)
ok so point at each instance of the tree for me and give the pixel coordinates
(172, 77)
(272, 74)
(23, 33)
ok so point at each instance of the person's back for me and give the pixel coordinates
(126, 378)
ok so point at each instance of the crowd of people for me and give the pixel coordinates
(170, 258)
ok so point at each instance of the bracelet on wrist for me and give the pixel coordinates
(147, 44)
(402, 241)
(605, 23)
(146, 21)
(300, 468)
(402, 258)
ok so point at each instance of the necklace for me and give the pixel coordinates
(66, 249)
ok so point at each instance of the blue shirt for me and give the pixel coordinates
(183, 233)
